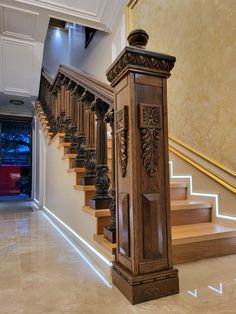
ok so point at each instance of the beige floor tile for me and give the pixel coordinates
(41, 273)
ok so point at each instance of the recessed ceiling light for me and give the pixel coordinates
(16, 102)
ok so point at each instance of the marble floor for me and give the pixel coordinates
(41, 273)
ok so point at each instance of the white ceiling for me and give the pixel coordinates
(23, 28)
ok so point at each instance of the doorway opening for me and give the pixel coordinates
(15, 158)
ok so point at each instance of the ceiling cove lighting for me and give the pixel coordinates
(214, 196)
(80, 253)
(103, 258)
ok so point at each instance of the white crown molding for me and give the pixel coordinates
(51, 5)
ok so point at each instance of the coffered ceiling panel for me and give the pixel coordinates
(10, 22)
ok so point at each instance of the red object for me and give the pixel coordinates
(9, 176)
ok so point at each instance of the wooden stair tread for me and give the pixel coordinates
(96, 212)
(63, 145)
(111, 247)
(84, 187)
(76, 170)
(187, 204)
(178, 185)
(69, 156)
(200, 232)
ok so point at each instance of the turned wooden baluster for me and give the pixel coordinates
(78, 162)
(101, 198)
(57, 91)
(54, 112)
(67, 110)
(90, 149)
(61, 121)
(110, 230)
(74, 117)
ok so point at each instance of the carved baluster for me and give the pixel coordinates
(80, 147)
(90, 149)
(74, 117)
(67, 111)
(61, 120)
(101, 198)
(110, 230)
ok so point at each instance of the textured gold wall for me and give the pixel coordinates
(202, 88)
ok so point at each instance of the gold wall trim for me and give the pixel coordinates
(129, 16)
(228, 185)
(210, 160)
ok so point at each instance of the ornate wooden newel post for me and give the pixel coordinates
(143, 268)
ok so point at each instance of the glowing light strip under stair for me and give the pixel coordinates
(215, 196)
(79, 252)
(103, 258)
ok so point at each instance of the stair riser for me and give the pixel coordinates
(88, 195)
(101, 223)
(190, 216)
(190, 252)
(178, 193)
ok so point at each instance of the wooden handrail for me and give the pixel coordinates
(87, 81)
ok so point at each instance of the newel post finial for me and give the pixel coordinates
(138, 38)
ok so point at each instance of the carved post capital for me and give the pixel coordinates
(100, 107)
(87, 99)
(78, 91)
(132, 57)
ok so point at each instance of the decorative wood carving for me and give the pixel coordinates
(143, 268)
(124, 237)
(81, 152)
(136, 57)
(90, 155)
(122, 138)
(150, 125)
(102, 198)
(110, 230)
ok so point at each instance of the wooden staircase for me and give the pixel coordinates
(194, 235)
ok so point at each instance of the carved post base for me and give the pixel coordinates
(101, 198)
(79, 161)
(86, 180)
(145, 287)
(73, 141)
(99, 202)
(90, 176)
(110, 234)
(67, 130)
(61, 122)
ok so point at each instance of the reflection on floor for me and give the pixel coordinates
(40, 272)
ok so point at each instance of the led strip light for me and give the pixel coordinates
(79, 252)
(103, 258)
(214, 196)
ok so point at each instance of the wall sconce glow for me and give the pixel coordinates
(103, 258)
(214, 196)
(80, 253)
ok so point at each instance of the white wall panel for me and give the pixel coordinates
(17, 67)
(18, 22)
